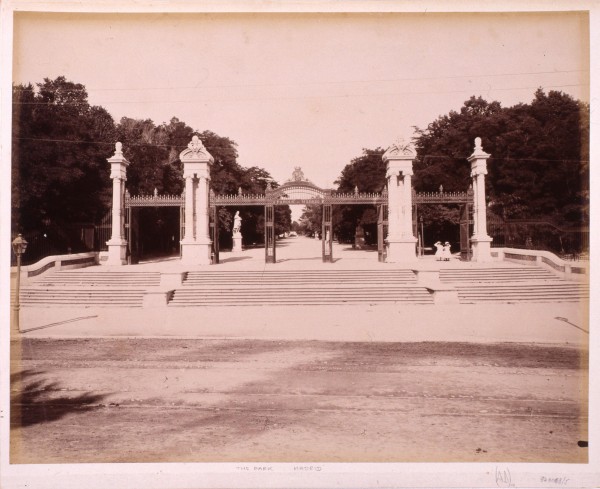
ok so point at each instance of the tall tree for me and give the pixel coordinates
(60, 146)
(539, 164)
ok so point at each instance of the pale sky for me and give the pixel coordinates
(307, 90)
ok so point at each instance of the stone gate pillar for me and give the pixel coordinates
(401, 242)
(117, 245)
(480, 240)
(196, 243)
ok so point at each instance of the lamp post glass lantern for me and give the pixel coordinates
(19, 246)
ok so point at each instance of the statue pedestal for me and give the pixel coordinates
(481, 249)
(117, 252)
(237, 243)
(195, 253)
(401, 250)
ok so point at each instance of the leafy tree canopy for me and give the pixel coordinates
(60, 146)
(539, 165)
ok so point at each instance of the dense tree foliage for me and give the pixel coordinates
(60, 175)
(60, 146)
(154, 155)
(539, 165)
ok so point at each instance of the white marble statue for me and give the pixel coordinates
(237, 223)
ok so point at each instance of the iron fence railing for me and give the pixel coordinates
(103, 232)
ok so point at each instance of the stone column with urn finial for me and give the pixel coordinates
(400, 240)
(196, 243)
(117, 245)
(481, 241)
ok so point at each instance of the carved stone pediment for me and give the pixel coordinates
(195, 151)
(400, 149)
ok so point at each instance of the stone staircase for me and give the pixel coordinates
(496, 274)
(87, 287)
(98, 287)
(95, 277)
(82, 297)
(302, 287)
(523, 292)
(512, 284)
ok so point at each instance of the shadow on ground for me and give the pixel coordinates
(32, 400)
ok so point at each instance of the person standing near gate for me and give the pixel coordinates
(439, 248)
(446, 254)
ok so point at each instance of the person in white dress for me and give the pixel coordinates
(446, 254)
(439, 248)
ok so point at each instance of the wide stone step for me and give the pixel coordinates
(98, 278)
(496, 275)
(536, 292)
(304, 276)
(295, 295)
(292, 282)
(82, 297)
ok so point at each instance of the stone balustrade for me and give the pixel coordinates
(546, 259)
(58, 262)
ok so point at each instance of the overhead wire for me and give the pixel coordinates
(132, 144)
(302, 97)
(330, 82)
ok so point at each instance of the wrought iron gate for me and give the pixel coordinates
(270, 256)
(214, 234)
(327, 234)
(465, 202)
(133, 204)
(382, 230)
(466, 221)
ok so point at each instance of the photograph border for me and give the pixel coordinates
(347, 475)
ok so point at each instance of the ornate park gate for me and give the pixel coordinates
(131, 203)
(397, 207)
(465, 202)
(299, 191)
(302, 192)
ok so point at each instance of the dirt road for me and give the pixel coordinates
(198, 400)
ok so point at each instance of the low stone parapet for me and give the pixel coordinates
(57, 262)
(545, 259)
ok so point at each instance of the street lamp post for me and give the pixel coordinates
(19, 246)
(422, 237)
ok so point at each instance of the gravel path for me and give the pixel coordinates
(243, 400)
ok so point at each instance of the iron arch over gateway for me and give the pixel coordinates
(396, 205)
